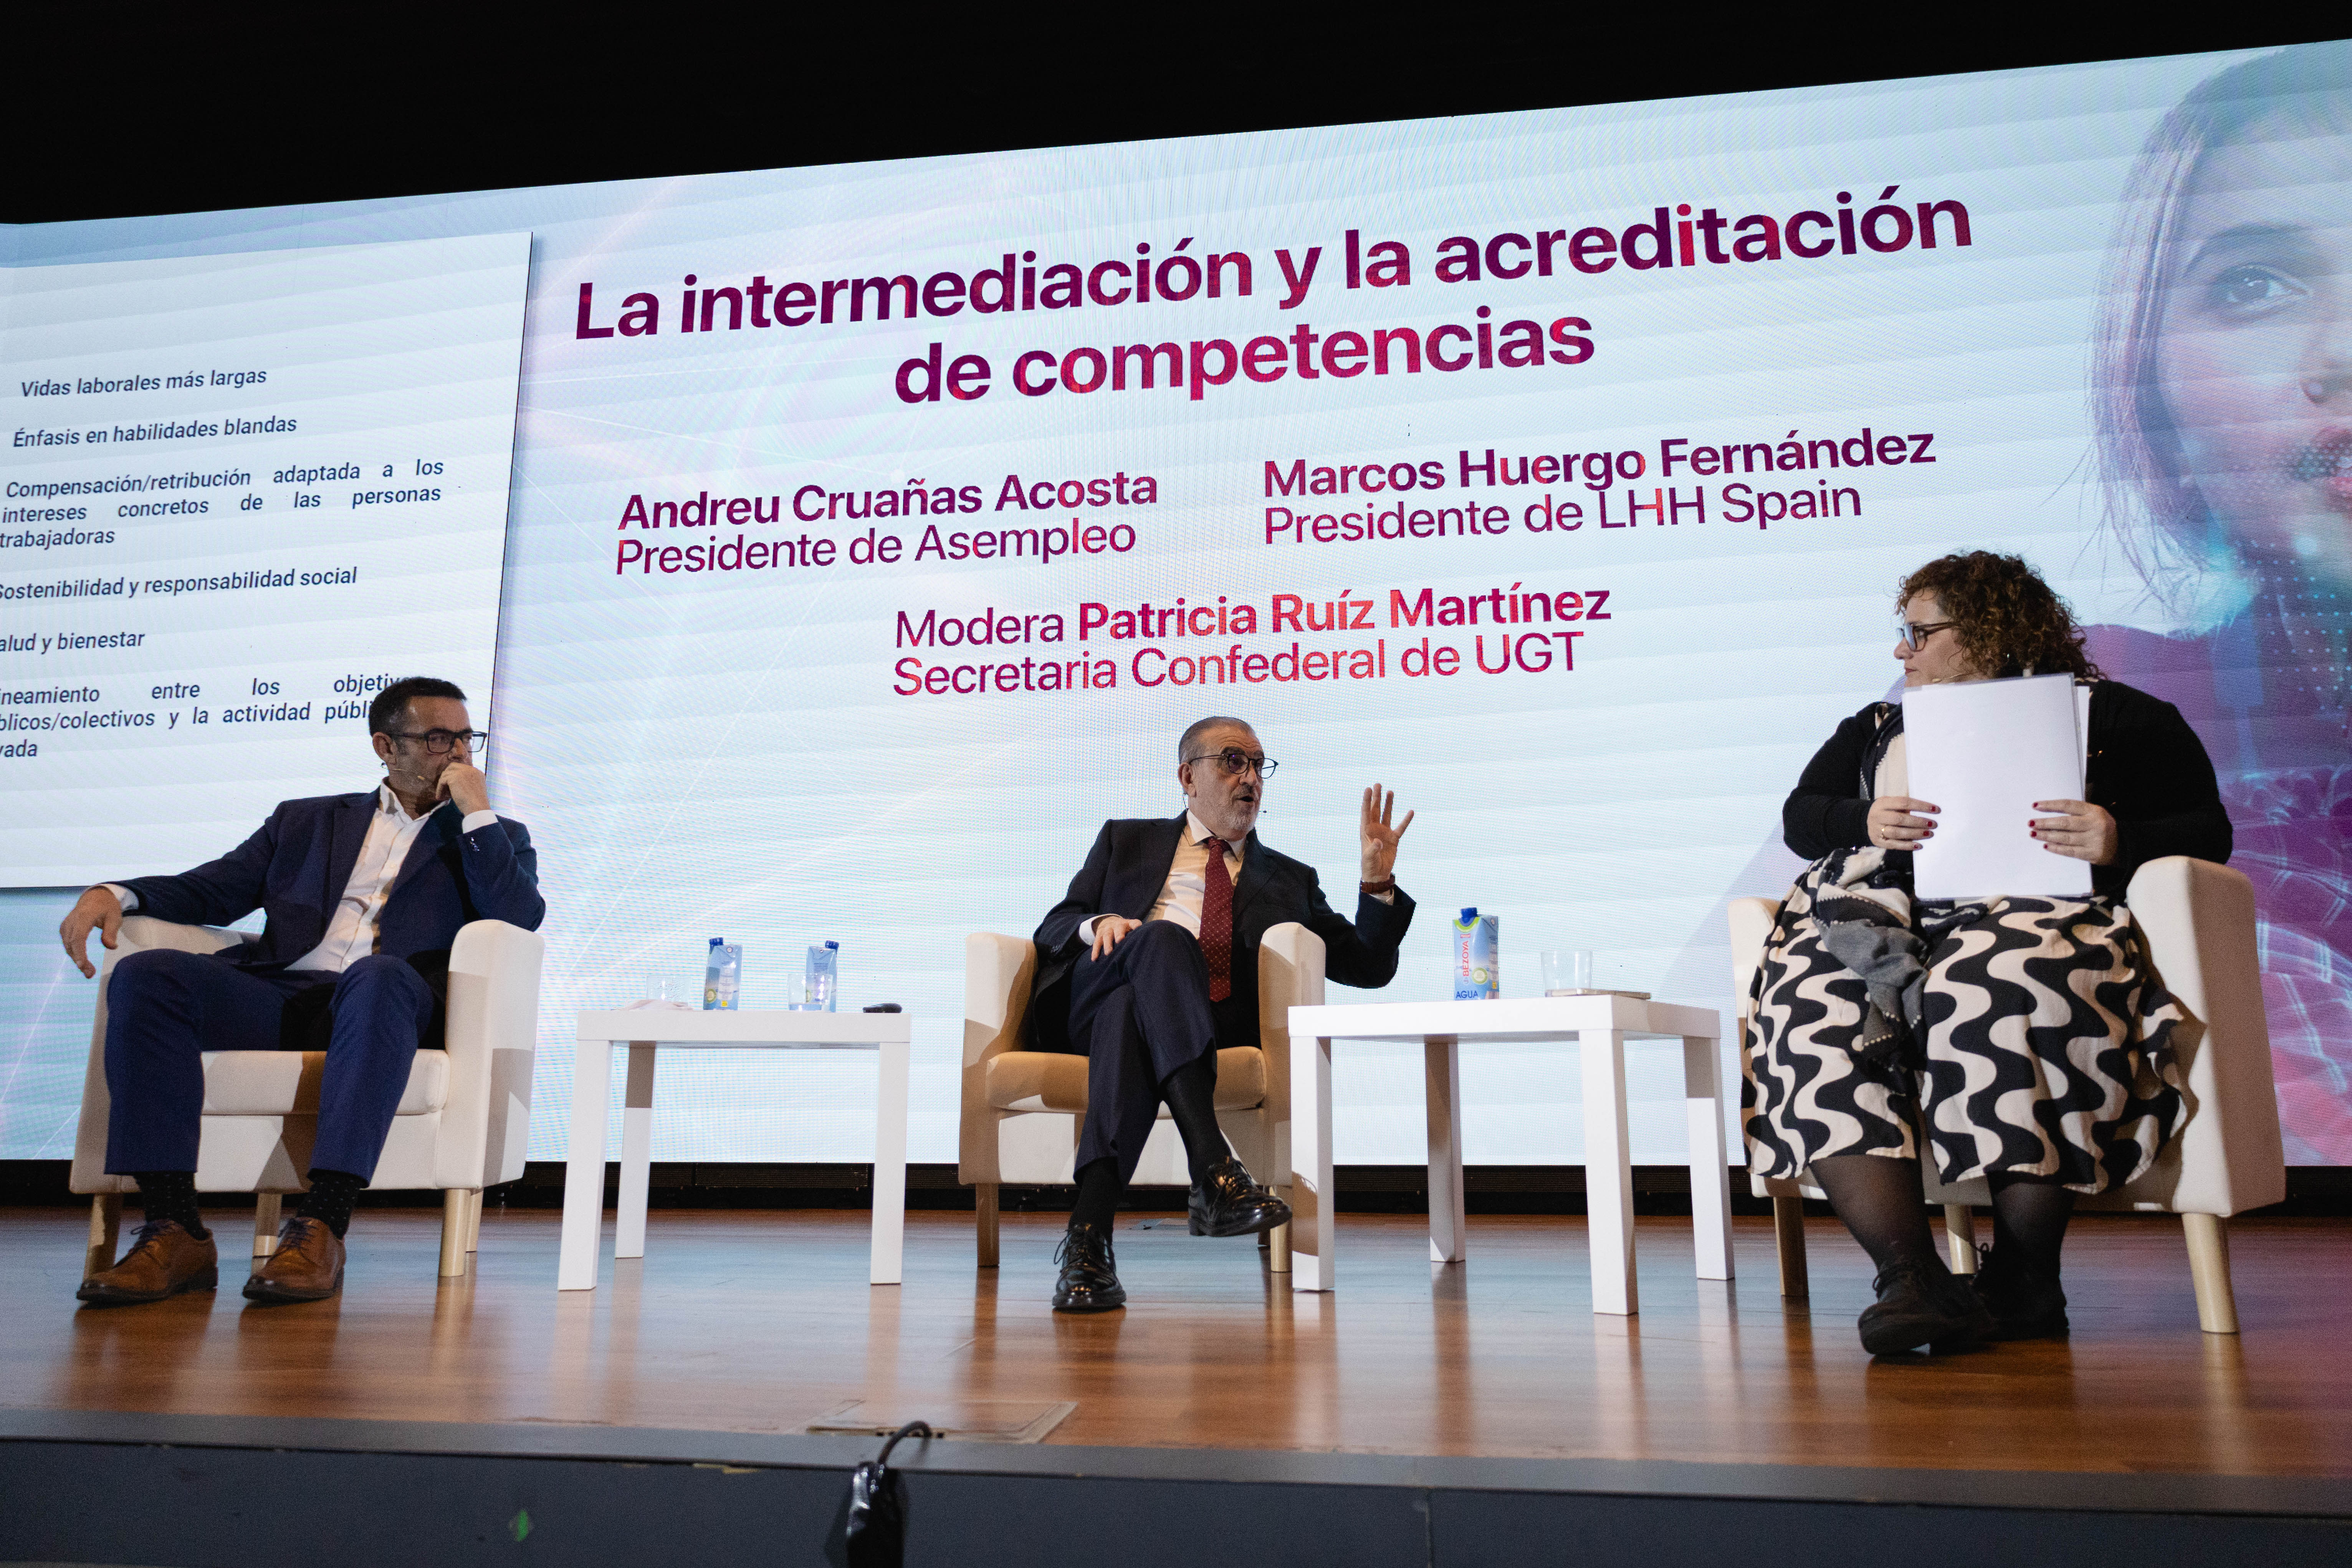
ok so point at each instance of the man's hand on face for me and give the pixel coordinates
(465, 785)
(1380, 839)
(98, 908)
(1108, 932)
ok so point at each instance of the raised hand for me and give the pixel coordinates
(466, 784)
(1380, 839)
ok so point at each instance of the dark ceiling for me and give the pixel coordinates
(112, 112)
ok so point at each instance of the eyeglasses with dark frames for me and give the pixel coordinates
(1915, 634)
(1234, 762)
(440, 742)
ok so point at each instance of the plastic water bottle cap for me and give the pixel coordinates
(834, 945)
(1470, 914)
(718, 942)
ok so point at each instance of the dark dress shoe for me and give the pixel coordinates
(1089, 1281)
(2024, 1305)
(1922, 1304)
(307, 1266)
(1229, 1202)
(164, 1260)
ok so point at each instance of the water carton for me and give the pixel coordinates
(1478, 957)
(722, 977)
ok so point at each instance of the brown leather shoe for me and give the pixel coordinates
(307, 1266)
(164, 1260)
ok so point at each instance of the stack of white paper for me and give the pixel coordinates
(1985, 751)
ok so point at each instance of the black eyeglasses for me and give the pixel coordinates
(1915, 634)
(1236, 762)
(440, 742)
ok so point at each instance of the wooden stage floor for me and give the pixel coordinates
(761, 1321)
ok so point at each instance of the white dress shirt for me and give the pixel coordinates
(1188, 880)
(351, 932)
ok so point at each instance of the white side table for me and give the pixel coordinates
(1600, 1025)
(886, 1033)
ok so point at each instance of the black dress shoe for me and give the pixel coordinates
(2023, 1304)
(1089, 1281)
(1922, 1304)
(1229, 1202)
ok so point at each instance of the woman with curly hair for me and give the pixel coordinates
(2022, 1038)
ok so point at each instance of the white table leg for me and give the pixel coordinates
(1710, 1172)
(637, 1152)
(1312, 1232)
(888, 1264)
(583, 1171)
(1607, 1173)
(1442, 1063)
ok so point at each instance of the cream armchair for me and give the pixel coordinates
(1022, 1109)
(462, 1124)
(2199, 919)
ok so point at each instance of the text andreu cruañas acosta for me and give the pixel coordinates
(1670, 242)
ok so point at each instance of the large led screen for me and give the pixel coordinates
(874, 531)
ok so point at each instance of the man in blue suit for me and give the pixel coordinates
(363, 895)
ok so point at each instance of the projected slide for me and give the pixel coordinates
(243, 493)
(877, 529)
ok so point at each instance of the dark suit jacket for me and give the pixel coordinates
(1124, 874)
(297, 865)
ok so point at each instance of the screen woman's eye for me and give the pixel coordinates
(2251, 288)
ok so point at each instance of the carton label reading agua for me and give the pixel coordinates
(1478, 957)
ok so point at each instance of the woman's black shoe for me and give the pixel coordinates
(1922, 1304)
(1229, 1202)
(2024, 1305)
(1089, 1281)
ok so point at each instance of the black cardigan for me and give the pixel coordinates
(2146, 767)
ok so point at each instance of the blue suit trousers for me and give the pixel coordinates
(166, 1008)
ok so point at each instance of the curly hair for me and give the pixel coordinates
(2007, 619)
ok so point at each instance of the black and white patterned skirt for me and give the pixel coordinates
(2031, 1039)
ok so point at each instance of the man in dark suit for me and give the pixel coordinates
(363, 895)
(1149, 966)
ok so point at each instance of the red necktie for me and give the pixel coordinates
(1217, 922)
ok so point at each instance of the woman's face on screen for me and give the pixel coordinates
(2255, 355)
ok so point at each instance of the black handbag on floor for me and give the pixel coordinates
(876, 1533)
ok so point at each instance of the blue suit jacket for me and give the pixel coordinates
(296, 867)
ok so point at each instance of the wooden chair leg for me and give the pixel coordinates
(983, 1206)
(1961, 1236)
(1278, 1249)
(265, 1207)
(1789, 1239)
(2209, 1268)
(453, 1233)
(474, 1223)
(105, 1231)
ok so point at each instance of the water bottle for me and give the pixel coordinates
(722, 977)
(824, 978)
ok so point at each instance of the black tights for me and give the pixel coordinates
(2029, 1222)
(1879, 1201)
(1191, 1095)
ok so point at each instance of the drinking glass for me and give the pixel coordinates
(1567, 972)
